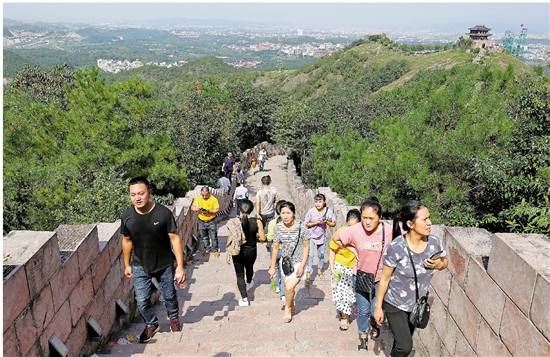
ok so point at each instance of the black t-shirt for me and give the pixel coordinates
(149, 235)
(252, 232)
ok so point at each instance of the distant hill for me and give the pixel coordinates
(10, 22)
(356, 68)
(205, 66)
(103, 36)
(13, 63)
(7, 33)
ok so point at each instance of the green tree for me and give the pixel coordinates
(55, 159)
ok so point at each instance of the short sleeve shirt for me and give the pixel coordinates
(368, 246)
(271, 229)
(223, 182)
(210, 204)
(297, 235)
(229, 162)
(402, 288)
(267, 197)
(240, 192)
(317, 232)
(342, 255)
(149, 234)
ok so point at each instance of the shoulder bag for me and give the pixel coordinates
(364, 282)
(286, 262)
(420, 314)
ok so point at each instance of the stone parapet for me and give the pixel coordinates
(492, 300)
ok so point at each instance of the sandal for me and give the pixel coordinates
(308, 279)
(344, 325)
(320, 275)
(363, 343)
(287, 318)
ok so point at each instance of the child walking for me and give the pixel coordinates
(342, 262)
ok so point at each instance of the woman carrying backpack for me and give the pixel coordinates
(246, 258)
(292, 237)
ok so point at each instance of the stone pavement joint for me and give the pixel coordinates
(213, 324)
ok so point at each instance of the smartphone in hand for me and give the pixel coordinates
(436, 255)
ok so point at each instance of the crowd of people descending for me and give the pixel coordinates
(397, 261)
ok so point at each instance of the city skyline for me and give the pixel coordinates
(429, 16)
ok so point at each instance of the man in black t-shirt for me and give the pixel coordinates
(149, 232)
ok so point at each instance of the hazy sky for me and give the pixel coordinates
(500, 16)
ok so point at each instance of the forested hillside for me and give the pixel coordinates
(471, 140)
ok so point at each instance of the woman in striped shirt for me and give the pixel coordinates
(292, 238)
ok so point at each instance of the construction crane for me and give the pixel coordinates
(515, 42)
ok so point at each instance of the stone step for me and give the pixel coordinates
(213, 324)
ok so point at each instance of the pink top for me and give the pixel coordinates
(368, 246)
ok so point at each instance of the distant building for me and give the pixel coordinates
(480, 36)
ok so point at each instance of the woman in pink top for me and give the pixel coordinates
(369, 240)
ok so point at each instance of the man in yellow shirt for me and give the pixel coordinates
(207, 206)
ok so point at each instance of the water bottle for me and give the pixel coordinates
(273, 285)
(180, 286)
(336, 279)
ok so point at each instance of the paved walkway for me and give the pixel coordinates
(215, 325)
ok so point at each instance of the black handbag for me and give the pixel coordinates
(364, 282)
(420, 314)
(286, 262)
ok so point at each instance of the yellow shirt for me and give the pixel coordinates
(343, 256)
(210, 204)
(271, 230)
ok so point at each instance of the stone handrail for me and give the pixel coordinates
(66, 289)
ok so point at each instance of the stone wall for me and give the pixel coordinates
(66, 289)
(63, 286)
(492, 300)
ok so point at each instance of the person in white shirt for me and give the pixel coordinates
(262, 156)
(241, 192)
(239, 175)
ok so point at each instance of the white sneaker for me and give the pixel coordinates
(249, 285)
(283, 298)
(277, 290)
(243, 303)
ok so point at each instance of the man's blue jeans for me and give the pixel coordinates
(209, 234)
(365, 308)
(320, 255)
(143, 288)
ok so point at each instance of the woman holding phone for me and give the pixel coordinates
(396, 290)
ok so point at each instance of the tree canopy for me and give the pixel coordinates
(470, 140)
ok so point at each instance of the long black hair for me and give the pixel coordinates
(245, 208)
(408, 213)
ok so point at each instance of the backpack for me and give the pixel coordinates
(235, 238)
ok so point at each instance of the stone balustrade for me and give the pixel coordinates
(66, 290)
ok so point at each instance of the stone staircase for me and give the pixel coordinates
(215, 325)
